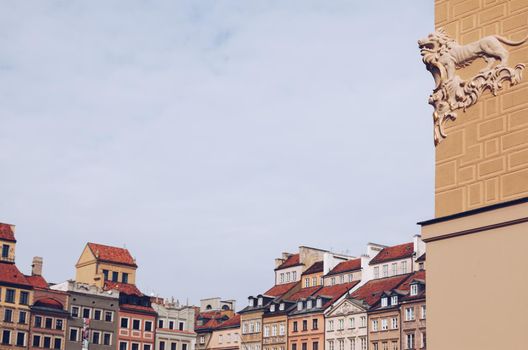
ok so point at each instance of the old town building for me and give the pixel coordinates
(413, 312)
(398, 259)
(346, 325)
(226, 336)
(344, 272)
(211, 314)
(175, 329)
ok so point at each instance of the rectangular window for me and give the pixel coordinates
(146, 346)
(24, 298)
(181, 326)
(394, 269)
(314, 281)
(305, 325)
(171, 324)
(173, 346)
(36, 341)
(107, 338)
(375, 325)
(75, 311)
(124, 322)
(48, 323)
(341, 324)
(135, 346)
(304, 346)
(352, 322)
(385, 270)
(394, 323)
(282, 329)
(136, 324)
(314, 323)
(86, 312)
(363, 321)
(375, 346)
(115, 276)
(8, 315)
(57, 343)
(5, 250)
(422, 312)
(294, 276)
(124, 277)
(409, 314)
(47, 343)
(282, 278)
(424, 341)
(376, 272)
(22, 317)
(96, 337)
(162, 345)
(10, 296)
(266, 331)
(341, 344)
(315, 345)
(184, 346)
(274, 330)
(414, 289)
(332, 281)
(307, 282)
(148, 326)
(58, 324)
(384, 324)
(295, 326)
(363, 343)
(331, 325)
(105, 274)
(97, 315)
(410, 341)
(109, 316)
(160, 323)
(294, 346)
(331, 345)
(404, 266)
(21, 339)
(123, 345)
(74, 334)
(342, 279)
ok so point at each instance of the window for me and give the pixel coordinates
(394, 300)
(314, 281)
(174, 346)
(107, 338)
(384, 324)
(109, 316)
(257, 327)
(282, 277)
(135, 346)
(404, 266)
(294, 346)
(22, 317)
(220, 339)
(341, 324)
(171, 324)
(287, 277)
(295, 326)
(266, 331)
(331, 345)
(332, 281)
(376, 272)
(74, 334)
(331, 325)
(384, 302)
(146, 346)
(306, 282)
(75, 311)
(48, 323)
(8, 315)
(136, 324)
(10, 296)
(181, 326)
(304, 346)
(57, 343)
(410, 340)
(309, 304)
(260, 301)
(86, 312)
(47, 342)
(342, 279)
(96, 337)
(274, 330)
(58, 324)
(385, 345)
(24, 298)
(409, 314)
(123, 345)
(363, 321)
(115, 276)
(352, 344)
(124, 277)
(5, 250)
(422, 312)
(160, 323)
(184, 346)
(394, 345)
(374, 325)
(319, 303)
(97, 315)
(124, 322)
(105, 274)
(394, 323)
(148, 326)
(315, 345)
(282, 329)
(341, 344)
(21, 339)
(424, 340)
(162, 345)
(375, 346)
(394, 268)
(314, 323)
(294, 276)
(414, 289)
(350, 279)
(352, 322)
(36, 341)
(305, 325)
(38, 322)
(202, 339)
(385, 270)
(363, 343)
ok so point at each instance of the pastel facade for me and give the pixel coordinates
(346, 325)
(175, 328)
(217, 325)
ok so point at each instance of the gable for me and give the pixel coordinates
(345, 307)
(86, 256)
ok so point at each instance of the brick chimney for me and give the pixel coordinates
(36, 266)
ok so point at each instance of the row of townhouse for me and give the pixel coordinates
(324, 300)
(101, 309)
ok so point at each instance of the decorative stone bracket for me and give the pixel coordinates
(443, 56)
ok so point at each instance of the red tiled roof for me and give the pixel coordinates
(210, 324)
(406, 285)
(232, 322)
(293, 260)
(316, 267)
(112, 254)
(9, 273)
(335, 292)
(37, 281)
(50, 303)
(400, 251)
(371, 291)
(303, 293)
(6, 232)
(143, 309)
(124, 288)
(280, 289)
(345, 266)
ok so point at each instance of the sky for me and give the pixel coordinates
(207, 137)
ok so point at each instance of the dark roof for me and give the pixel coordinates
(346, 266)
(292, 260)
(280, 289)
(10, 274)
(396, 252)
(421, 258)
(6, 232)
(316, 267)
(371, 291)
(112, 254)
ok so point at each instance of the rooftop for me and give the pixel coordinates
(396, 252)
(346, 266)
(112, 254)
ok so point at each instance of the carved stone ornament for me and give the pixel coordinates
(443, 56)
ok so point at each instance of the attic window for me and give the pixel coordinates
(309, 304)
(260, 301)
(272, 308)
(251, 302)
(384, 302)
(394, 300)
(319, 302)
(414, 289)
(299, 305)
(281, 306)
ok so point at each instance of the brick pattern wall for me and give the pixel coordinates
(484, 159)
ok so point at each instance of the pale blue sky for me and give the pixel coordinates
(210, 136)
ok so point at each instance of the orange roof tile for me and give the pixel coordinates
(335, 292)
(124, 288)
(37, 281)
(280, 289)
(232, 322)
(400, 251)
(303, 293)
(112, 254)
(6, 232)
(293, 260)
(138, 308)
(346, 266)
(371, 291)
(10, 274)
(49, 303)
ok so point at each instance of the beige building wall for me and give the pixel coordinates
(484, 159)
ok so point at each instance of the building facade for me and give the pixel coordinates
(346, 325)
(175, 329)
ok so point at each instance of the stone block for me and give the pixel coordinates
(518, 159)
(449, 202)
(515, 139)
(515, 98)
(515, 184)
(466, 174)
(490, 167)
(468, 23)
(515, 22)
(441, 12)
(492, 127)
(445, 175)
(517, 5)
(473, 154)
(465, 7)
(451, 147)
(491, 148)
(475, 194)
(492, 14)
(518, 119)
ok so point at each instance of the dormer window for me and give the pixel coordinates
(414, 289)
(319, 302)
(251, 302)
(281, 306)
(309, 304)
(299, 305)
(272, 308)
(394, 300)
(332, 281)
(260, 301)
(384, 302)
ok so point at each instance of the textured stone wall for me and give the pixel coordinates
(484, 159)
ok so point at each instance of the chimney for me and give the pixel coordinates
(36, 266)
(278, 262)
